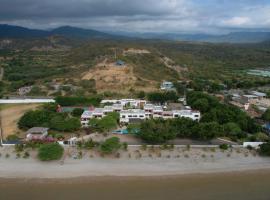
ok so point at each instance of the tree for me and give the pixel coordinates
(110, 145)
(262, 137)
(157, 131)
(78, 101)
(141, 95)
(77, 112)
(266, 115)
(232, 129)
(107, 123)
(265, 149)
(183, 126)
(52, 151)
(201, 105)
(61, 123)
(35, 118)
(206, 131)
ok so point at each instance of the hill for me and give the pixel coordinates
(73, 32)
(234, 37)
(8, 31)
(17, 32)
(90, 66)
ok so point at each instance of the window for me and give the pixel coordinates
(123, 116)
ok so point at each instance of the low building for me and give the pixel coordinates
(249, 98)
(117, 107)
(24, 90)
(96, 113)
(37, 133)
(260, 95)
(120, 63)
(194, 115)
(127, 116)
(135, 103)
(166, 85)
(153, 111)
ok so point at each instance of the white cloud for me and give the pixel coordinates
(139, 15)
(236, 21)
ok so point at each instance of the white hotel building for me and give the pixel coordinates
(136, 115)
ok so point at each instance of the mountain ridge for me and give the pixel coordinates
(10, 31)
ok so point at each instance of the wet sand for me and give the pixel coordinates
(248, 185)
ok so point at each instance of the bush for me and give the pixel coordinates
(26, 155)
(157, 131)
(77, 112)
(265, 149)
(13, 137)
(52, 151)
(110, 145)
(19, 147)
(77, 101)
(224, 146)
(105, 124)
(125, 146)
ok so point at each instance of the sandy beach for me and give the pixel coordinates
(127, 163)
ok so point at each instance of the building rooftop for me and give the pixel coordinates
(259, 94)
(87, 113)
(133, 111)
(37, 130)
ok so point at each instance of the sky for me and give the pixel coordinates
(171, 16)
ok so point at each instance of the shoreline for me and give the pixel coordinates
(133, 163)
(96, 179)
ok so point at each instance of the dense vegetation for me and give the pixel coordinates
(214, 111)
(51, 151)
(206, 65)
(265, 149)
(49, 118)
(162, 97)
(105, 124)
(78, 101)
(110, 145)
(218, 120)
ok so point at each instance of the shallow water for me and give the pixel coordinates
(240, 186)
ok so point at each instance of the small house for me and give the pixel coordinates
(37, 133)
(260, 95)
(166, 85)
(120, 63)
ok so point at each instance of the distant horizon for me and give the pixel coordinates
(169, 16)
(138, 33)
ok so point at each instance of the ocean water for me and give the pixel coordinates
(239, 186)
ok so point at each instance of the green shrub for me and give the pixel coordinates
(125, 146)
(224, 146)
(26, 155)
(77, 112)
(19, 147)
(265, 149)
(12, 137)
(52, 151)
(110, 145)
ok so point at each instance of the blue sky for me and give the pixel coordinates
(187, 16)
